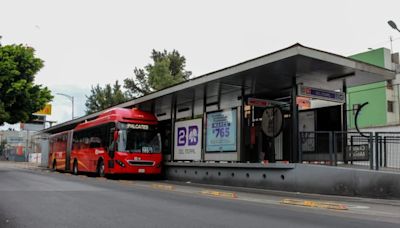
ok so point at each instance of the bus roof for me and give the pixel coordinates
(120, 115)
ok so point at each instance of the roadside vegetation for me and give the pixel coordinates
(19, 95)
(166, 69)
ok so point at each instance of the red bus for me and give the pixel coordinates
(118, 141)
(60, 146)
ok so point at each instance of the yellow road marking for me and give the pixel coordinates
(126, 182)
(163, 187)
(232, 195)
(101, 178)
(315, 204)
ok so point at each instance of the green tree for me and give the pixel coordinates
(102, 98)
(167, 69)
(19, 96)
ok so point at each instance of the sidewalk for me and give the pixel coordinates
(24, 165)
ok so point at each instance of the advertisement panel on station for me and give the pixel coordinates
(221, 131)
(188, 140)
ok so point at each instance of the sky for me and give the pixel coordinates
(89, 42)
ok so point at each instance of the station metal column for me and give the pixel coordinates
(294, 157)
(173, 117)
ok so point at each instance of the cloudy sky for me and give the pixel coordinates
(86, 42)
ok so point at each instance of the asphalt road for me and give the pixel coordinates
(31, 197)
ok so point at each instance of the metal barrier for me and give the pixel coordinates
(343, 148)
(316, 147)
(387, 145)
(356, 150)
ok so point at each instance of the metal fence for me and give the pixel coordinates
(387, 145)
(380, 150)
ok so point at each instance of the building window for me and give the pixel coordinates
(390, 106)
(389, 84)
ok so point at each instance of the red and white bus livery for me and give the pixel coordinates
(60, 146)
(118, 141)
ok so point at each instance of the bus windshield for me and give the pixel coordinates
(137, 138)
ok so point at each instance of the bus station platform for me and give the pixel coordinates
(292, 177)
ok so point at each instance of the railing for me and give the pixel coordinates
(388, 150)
(380, 150)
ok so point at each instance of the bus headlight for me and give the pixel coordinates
(120, 163)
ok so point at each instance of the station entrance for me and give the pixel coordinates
(268, 130)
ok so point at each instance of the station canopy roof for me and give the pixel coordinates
(268, 76)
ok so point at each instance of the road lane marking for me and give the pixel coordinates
(126, 182)
(101, 178)
(357, 207)
(163, 187)
(231, 195)
(315, 204)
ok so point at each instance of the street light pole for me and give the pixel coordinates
(72, 100)
(393, 25)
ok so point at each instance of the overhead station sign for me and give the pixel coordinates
(321, 94)
(257, 102)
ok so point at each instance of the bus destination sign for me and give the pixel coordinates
(138, 126)
(321, 94)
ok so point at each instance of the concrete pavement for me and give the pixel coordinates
(32, 197)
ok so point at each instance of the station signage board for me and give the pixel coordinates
(188, 140)
(321, 94)
(257, 102)
(358, 152)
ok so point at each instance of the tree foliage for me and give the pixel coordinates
(167, 69)
(19, 96)
(102, 98)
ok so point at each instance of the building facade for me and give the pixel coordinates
(382, 111)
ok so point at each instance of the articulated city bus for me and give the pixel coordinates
(60, 146)
(118, 141)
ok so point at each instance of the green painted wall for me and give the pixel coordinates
(374, 57)
(375, 113)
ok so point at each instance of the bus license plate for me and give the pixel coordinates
(142, 170)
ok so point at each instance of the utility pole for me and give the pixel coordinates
(71, 98)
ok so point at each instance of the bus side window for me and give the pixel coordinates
(95, 142)
(77, 141)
